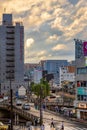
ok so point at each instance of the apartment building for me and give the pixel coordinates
(11, 54)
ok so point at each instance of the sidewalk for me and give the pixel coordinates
(69, 118)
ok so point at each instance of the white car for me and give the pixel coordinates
(18, 102)
(26, 106)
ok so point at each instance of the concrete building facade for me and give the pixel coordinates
(67, 74)
(81, 78)
(11, 53)
(52, 67)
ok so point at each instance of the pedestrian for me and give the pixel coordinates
(62, 126)
(42, 127)
(52, 123)
(30, 128)
(36, 122)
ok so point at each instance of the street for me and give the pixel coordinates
(68, 124)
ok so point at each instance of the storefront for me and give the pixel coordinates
(83, 115)
(82, 111)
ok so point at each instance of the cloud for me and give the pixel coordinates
(59, 47)
(52, 38)
(29, 42)
(49, 21)
(41, 53)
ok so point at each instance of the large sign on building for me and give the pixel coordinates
(82, 91)
(85, 48)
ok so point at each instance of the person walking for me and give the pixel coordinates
(62, 126)
(52, 123)
(42, 127)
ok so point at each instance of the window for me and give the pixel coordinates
(82, 97)
(82, 70)
(81, 83)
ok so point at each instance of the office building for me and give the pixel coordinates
(11, 54)
(52, 67)
(81, 78)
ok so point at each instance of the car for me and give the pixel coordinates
(18, 102)
(26, 106)
(3, 126)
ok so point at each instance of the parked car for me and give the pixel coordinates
(3, 126)
(18, 102)
(26, 106)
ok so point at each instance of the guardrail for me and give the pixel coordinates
(26, 115)
(67, 104)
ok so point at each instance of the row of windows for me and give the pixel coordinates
(82, 70)
(82, 97)
(81, 83)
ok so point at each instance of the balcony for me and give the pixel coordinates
(10, 49)
(10, 44)
(10, 32)
(10, 55)
(10, 71)
(9, 37)
(10, 41)
(10, 26)
(10, 66)
(10, 77)
(9, 60)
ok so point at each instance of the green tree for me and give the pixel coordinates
(41, 89)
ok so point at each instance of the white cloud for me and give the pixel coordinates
(59, 47)
(29, 42)
(57, 15)
(41, 53)
(52, 38)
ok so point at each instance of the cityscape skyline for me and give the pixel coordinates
(50, 26)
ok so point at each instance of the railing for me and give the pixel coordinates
(22, 113)
(68, 104)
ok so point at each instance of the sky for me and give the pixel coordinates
(50, 26)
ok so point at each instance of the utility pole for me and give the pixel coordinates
(11, 95)
(41, 114)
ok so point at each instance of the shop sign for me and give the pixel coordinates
(85, 48)
(82, 91)
(82, 105)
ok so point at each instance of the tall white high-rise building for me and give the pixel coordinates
(11, 54)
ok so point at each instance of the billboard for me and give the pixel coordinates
(85, 48)
(85, 60)
(81, 91)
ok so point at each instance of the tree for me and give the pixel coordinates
(42, 86)
(42, 90)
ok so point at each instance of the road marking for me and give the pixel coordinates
(74, 128)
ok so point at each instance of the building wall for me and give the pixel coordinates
(52, 66)
(11, 53)
(37, 75)
(81, 80)
(67, 73)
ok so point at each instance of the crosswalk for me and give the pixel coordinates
(71, 128)
(47, 127)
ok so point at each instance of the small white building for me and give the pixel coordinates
(37, 75)
(22, 91)
(67, 73)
